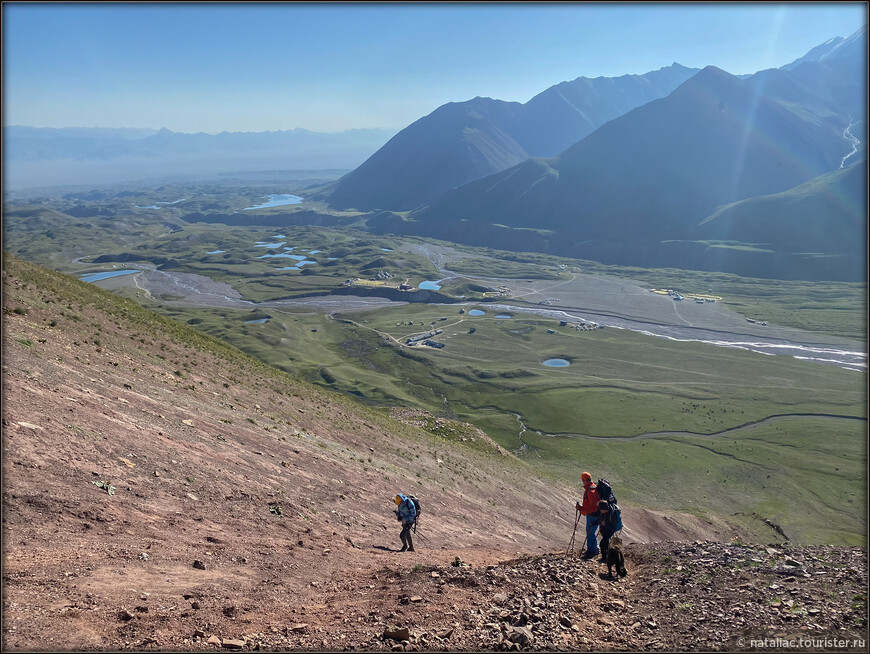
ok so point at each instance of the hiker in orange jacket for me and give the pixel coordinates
(589, 507)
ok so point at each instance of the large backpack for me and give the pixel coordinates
(416, 504)
(416, 508)
(605, 491)
(616, 523)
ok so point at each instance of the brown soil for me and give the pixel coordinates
(254, 511)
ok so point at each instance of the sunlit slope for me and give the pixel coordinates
(94, 383)
(824, 216)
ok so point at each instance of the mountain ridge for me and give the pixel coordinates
(435, 154)
(650, 176)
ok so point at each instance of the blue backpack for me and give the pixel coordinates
(415, 502)
(617, 525)
(416, 506)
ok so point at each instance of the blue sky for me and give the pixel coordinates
(331, 67)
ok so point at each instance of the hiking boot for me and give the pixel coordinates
(404, 548)
(589, 555)
(410, 549)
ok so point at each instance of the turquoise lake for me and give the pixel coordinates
(95, 277)
(278, 200)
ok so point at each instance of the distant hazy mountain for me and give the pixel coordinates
(43, 156)
(463, 141)
(50, 133)
(652, 175)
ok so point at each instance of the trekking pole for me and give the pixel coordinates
(585, 542)
(573, 533)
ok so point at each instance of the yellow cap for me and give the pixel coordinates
(398, 499)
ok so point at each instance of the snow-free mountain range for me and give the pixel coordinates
(762, 175)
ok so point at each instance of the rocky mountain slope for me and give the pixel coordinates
(163, 491)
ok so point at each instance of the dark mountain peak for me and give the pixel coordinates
(715, 71)
(712, 80)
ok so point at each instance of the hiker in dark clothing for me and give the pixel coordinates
(407, 515)
(608, 517)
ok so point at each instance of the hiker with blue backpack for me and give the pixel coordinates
(406, 513)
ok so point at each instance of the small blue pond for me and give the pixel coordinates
(476, 312)
(282, 255)
(386, 249)
(504, 316)
(256, 322)
(314, 252)
(215, 252)
(95, 277)
(277, 201)
(298, 266)
(261, 244)
(429, 286)
(557, 363)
